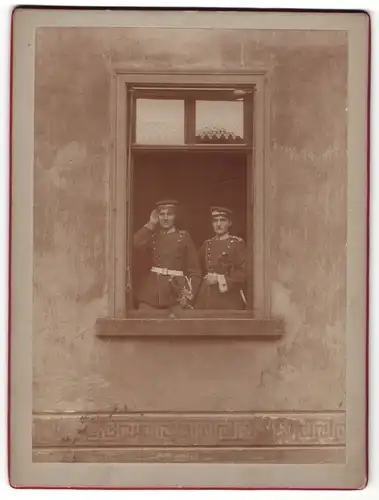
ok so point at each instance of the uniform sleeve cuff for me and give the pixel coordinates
(222, 285)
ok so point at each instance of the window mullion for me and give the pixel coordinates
(189, 120)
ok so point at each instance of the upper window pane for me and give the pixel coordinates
(219, 122)
(160, 121)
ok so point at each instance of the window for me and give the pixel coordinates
(209, 132)
(159, 121)
(190, 116)
(220, 122)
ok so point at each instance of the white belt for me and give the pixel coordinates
(166, 272)
(213, 275)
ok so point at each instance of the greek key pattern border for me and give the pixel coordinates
(223, 430)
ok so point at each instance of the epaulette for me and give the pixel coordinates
(236, 238)
(184, 232)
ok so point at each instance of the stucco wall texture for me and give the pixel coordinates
(75, 370)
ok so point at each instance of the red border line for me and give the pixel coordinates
(10, 241)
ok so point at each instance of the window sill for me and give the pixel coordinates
(204, 324)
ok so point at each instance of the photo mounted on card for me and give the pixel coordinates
(189, 235)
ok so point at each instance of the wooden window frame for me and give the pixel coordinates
(120, 190)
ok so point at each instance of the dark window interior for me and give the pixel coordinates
(198, 179)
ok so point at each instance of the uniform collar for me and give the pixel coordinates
(223, 237)
(170, 231)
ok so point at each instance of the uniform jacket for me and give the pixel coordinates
(227, 258)
(172, 250)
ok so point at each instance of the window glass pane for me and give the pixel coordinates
(219, 122)
(160, 121)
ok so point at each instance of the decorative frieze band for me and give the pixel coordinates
(189, 430)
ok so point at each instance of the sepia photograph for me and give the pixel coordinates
(189, 248)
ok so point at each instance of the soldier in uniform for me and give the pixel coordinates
(224, 266)
(175, 274)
